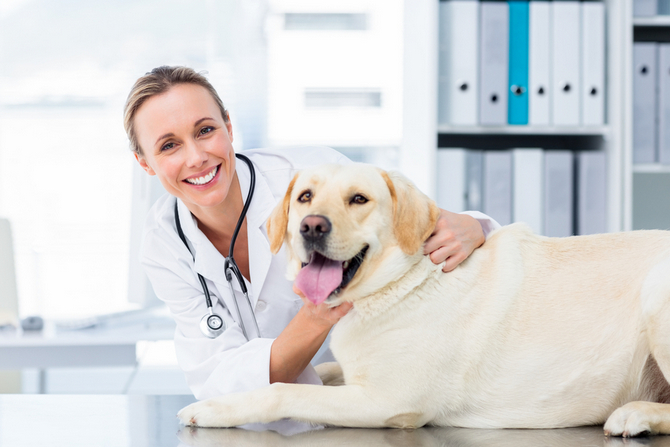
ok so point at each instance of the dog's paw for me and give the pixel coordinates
(632, 419)
(207, 413)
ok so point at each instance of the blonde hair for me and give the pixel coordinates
(158, 81)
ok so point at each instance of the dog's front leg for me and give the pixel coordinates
(347, 406)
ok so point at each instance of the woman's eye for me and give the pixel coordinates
(305, 197)
(359, 199)
(206, 130)
(167, 146)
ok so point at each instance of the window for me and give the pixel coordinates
(65, 167)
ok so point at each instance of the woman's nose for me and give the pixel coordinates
(195, 155)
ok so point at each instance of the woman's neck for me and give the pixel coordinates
(218, 222)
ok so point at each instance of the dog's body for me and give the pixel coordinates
(529, 332)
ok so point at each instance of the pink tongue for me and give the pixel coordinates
(319, 278)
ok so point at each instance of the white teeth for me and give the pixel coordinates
(205, 179)
(346, 265)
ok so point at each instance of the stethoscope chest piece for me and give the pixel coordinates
(212, 325)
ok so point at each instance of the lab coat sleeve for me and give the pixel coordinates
(488, 223)
(225, 364)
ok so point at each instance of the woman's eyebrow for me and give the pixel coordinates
(201, 120)
(163, 137)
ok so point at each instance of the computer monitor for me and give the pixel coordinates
(9, 309)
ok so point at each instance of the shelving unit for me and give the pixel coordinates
(649, 205)
(420, 145)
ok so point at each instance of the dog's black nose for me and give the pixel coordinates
(313, 228)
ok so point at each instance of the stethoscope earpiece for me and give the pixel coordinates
(212, 325)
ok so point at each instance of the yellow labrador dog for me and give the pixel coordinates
(528, 332)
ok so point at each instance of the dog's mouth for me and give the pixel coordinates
(322, 277)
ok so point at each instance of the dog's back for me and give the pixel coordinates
(528, 332)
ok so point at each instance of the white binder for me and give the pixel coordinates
(593, 63)
(451, 171)
(645, 8)
(664, 103)
(474, 164)
(493, 62)
(558, 190)
(539, 63)
(459, 62)
(498, 186)
(591, 192)
(528, 189)
(566, 62)
(644, 102)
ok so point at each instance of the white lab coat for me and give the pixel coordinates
(230, 363)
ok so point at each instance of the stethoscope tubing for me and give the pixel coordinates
(230, 266)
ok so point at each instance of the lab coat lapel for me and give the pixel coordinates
(208, 261)
(260, 208)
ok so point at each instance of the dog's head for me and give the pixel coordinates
(350, 229)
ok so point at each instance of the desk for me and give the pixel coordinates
(85, 347)
(100, 346)
(140, 420)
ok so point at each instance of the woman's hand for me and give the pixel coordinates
(455, 237)
(322, 314)
(297, 344)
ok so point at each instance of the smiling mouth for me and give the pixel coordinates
(199, 181)
(321, 277)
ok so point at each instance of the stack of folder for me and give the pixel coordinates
(651, 102)
(558, 193)
(537, 62)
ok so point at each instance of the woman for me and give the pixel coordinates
(180, 131)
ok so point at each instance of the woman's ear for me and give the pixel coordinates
(229, 126)
(278, 221)
(414, 214)
(144, 165)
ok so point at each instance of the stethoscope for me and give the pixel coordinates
(212, 325)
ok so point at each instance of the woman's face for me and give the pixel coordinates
(187, 144)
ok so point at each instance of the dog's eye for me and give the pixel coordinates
(305, 197)
(359, 199)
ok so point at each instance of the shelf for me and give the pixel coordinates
(651, 168)
(505, 137)
(654, 21)
(525, 130)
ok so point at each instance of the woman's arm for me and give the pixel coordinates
(295, 347)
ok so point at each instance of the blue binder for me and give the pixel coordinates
(518, 62)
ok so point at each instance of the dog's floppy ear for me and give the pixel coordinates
(414, 214)
(278, 221)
